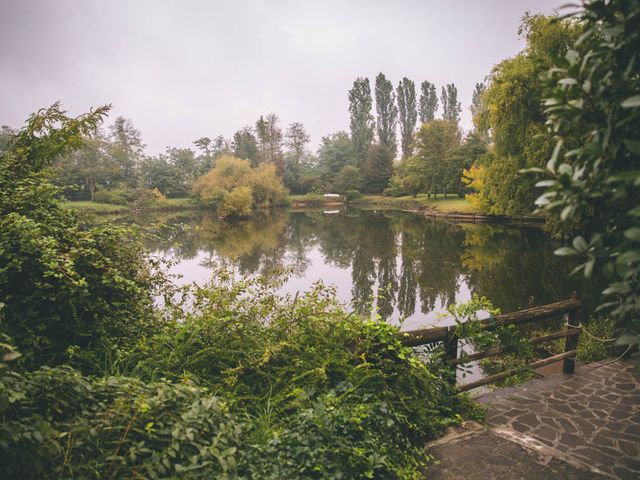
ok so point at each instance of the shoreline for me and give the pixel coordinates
(367, 201)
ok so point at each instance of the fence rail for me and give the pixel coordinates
(571, 309)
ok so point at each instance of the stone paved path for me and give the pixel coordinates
(592, 416)
(476, 453)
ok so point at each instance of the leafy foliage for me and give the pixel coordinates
(235, 189)
(512, 114)
(71, 292)
(596, 97)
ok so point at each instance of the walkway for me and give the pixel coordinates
(580, 426)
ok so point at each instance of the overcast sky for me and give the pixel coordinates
(185, 69)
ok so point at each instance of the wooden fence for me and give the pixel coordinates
(571, 309)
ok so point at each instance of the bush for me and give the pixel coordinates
(57, 423)
(352, 195)
(72, 292)
(236, 203)
(395, 188)
(138, 198)
(234, 188)
(116, 196)
(326, 393)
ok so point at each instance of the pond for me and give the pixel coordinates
(405, 266)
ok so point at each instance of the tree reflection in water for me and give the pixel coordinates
(404, 265)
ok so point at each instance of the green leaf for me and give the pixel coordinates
(551, 164)
(565, 251)
(631, 102)
(633, 234)
(628, 257)
(632, 145)
(580, 244)
(588, 267)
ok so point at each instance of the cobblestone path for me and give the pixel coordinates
(592, 416)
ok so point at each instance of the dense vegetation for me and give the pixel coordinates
(96, 381)
(230, 380)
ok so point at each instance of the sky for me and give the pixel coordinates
(181, 70)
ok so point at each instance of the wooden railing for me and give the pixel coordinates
(571, 309)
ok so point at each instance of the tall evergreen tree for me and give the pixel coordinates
(408, 114)
(450, 104)
(361, 123)
(428, 101)
(386, 112)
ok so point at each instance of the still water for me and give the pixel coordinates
(406, 267)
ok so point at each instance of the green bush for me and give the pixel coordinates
(72, 292)
(57, 423)
(326, 392)
(115, 196)
(352, 195)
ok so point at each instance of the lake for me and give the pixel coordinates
(405, 266)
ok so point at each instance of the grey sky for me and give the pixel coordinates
(185, 69)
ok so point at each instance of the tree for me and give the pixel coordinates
(234, 188)
(428, 101)
(450, 105)
(71, 291)
(275, 143)
(84, 170)
(204, 144)
(126, 147)
(296, 141)
(512, 113)
(245, 145)
(378, 168)
(336, 151)
(386, 113)
(361, 122)
(476, 107)
(594, 110)
(408, 114)
(430, 166)
(348, 178)
(270, 141)
(158, 173)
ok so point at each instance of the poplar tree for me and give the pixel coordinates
(450, 104)
(408, 114)
(386, 113)
(428, 101)
(361, 123)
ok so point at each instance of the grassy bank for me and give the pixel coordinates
(170, 204)
(451, 204)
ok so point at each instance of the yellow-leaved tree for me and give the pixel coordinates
(234, 188)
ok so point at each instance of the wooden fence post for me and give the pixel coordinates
(571, 343)
(451, 351)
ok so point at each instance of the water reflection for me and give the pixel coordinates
(410, 267)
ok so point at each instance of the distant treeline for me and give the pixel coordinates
(402, 140)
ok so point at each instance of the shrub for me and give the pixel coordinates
(115, 196)
(326, 393)
(352, 195)
(234, 188)
(57, 423)
(236, 203)
(70, 290)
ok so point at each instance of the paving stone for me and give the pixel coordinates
(592, 416)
